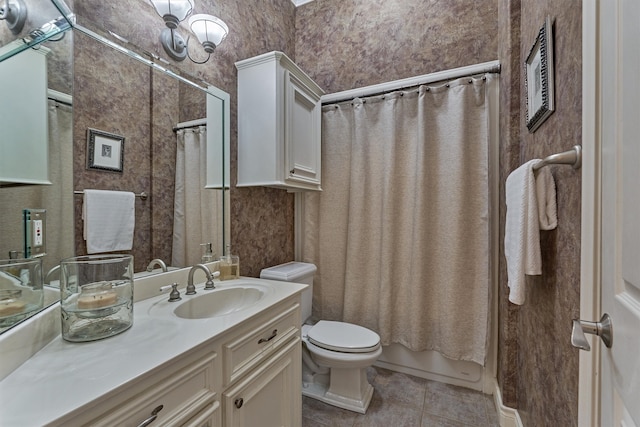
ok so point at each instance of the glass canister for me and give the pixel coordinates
(21, 290)
(229, 266)
(96, 296)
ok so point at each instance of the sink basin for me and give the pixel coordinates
(219, 302)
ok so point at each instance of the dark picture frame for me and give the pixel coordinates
(105, 151)
(539, 78)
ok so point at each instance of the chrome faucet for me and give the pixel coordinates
(55, 269)
(191, 289)
(158, 262)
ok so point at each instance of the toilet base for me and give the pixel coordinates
(344, 388)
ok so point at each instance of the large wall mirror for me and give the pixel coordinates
(175, 133)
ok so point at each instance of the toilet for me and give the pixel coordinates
(335, 355)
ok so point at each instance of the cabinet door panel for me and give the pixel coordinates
(270, 395)
(302, 133)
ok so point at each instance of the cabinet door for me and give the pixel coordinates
(270, 395)
(302, 133)
(24, 146)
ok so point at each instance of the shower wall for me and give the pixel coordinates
(538, 368)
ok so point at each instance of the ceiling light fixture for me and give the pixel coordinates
(209, 30)
(15, 13)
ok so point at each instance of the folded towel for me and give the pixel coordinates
(531, 206)
(109, 220)
(546, 198)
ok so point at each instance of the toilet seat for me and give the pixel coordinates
(343, 337)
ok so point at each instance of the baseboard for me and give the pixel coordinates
(508, 417)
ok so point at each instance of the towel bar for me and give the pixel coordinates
(143, 195)
(572, 157)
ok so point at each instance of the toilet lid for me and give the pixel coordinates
(343, 337)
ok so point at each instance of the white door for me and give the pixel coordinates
(617, 145)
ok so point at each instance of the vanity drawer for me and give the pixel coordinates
(258, 340)
(185, 397)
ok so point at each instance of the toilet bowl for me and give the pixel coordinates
(335, 355)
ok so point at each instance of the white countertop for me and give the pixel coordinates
(65, 376)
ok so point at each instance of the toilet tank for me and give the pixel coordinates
(298, 272)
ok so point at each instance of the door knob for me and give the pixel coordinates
(603, 329)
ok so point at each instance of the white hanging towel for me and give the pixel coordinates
(531, 207)
(109, 220)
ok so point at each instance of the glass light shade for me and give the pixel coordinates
(178, 8)
(208, 29)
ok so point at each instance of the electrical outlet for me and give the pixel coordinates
(35, 226)
(38, 239)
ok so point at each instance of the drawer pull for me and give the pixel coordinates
(273, 335)
(239, 402)
(152, 418)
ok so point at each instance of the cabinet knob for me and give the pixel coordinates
(239, 402)
(152, 418)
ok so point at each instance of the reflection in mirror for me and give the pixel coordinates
(28, 23)
(54, 79)
(113, 92)
(163, 118)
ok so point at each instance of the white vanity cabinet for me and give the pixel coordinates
(262, 371)
(241, 368)
(181, 393)
(249, 376)
(278, 124)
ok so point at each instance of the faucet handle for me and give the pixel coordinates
(174, 295)
(210, 285)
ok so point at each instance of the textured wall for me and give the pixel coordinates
(538, 370)
(510, 81)
(348, 44)
(112, 94)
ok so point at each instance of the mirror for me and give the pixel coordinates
(53, 120)
(117, 89)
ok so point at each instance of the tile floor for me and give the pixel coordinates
(401, 400)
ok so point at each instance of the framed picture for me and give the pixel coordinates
(105, 151)
(538, 78)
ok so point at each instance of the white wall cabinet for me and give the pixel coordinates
(24, 145)
(250, 376)
(279, 125)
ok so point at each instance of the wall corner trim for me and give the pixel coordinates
(508, 417)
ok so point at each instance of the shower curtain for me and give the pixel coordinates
(400, 232)
(197, 211)
(59, 198)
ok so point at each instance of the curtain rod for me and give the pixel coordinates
(60, 97)
(454, 73)
(190, 124)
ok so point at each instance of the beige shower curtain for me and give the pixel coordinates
(400, 233)
(197, 211)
